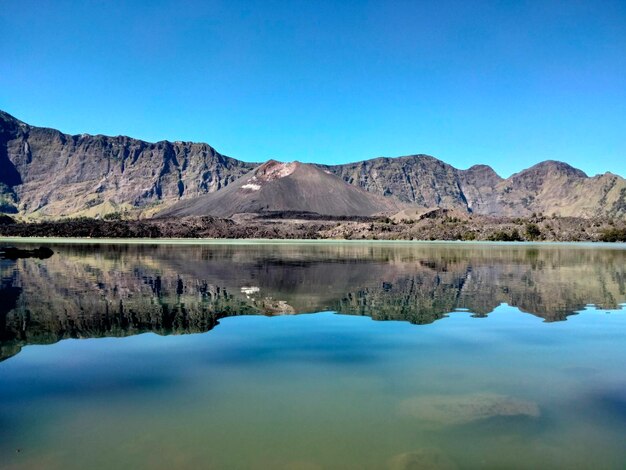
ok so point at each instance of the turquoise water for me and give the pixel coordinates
(412, 356)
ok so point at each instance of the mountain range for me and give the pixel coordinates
(45, 173)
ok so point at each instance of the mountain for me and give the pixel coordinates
(478, 184)
(417, 179)
(294, 186)
(549, 187)
(554, 187)
(45, 173)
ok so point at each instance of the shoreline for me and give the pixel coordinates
(296, 241)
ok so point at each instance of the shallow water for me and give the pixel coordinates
(193, 356)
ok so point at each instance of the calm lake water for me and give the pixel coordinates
(412, 356)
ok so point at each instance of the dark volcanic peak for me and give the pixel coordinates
(292, 186)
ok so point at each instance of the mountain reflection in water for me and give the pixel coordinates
(98, 290)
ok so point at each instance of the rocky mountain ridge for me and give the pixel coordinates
(47, 174)
(550, 187)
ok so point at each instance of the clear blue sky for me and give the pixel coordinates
(503, 83)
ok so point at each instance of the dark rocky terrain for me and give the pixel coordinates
(436, 224)
(47, 174)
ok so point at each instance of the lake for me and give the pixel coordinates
(314, 355)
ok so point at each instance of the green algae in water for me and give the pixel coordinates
(427, 356)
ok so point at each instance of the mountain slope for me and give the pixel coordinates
(46, 172)
(294, 186)
(554, 187)
(549, 187)
(416, 179)
(478, 184)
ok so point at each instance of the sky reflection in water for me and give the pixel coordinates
(328, 390)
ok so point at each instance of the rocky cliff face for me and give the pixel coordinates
(417, 179)
(45, 172)
(557, 188)
(549, 187)
(478, 184)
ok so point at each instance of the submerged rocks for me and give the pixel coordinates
(43, 252)
(422, 459)
(450, 410)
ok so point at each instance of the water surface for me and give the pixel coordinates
(187, 356)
